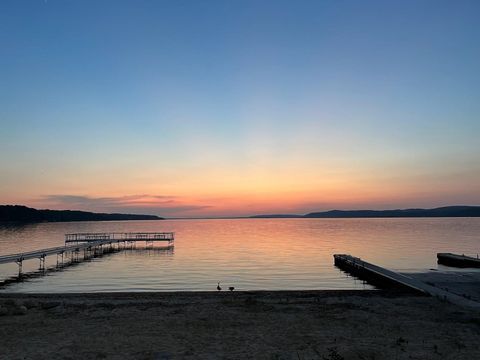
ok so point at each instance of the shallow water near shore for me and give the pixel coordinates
(250, 254)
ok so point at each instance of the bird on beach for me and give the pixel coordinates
(218, 287)
(231, 288)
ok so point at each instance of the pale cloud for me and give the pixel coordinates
(162, 205)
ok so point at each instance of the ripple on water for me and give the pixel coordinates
(250, 254)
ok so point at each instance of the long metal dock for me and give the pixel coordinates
(92, 244)
(378, 275)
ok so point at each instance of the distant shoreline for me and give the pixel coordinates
(445, 211)
(24, 214)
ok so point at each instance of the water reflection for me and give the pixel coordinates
(250, 254)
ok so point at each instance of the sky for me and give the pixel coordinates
(233, 108)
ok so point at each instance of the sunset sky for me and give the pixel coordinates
(231, 108)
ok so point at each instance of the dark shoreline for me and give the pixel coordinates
(127, 295)
(20, 213)
(445, 211)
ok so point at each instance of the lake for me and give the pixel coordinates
(250, 254)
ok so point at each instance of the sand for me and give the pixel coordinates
(241, 325)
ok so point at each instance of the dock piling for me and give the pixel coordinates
(42, 262)
(19, 262)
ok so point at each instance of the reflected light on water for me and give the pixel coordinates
(250, 254)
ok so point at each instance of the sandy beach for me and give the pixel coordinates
(256, 325)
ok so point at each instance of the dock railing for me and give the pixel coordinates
(117, 236)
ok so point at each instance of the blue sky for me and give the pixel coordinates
(239, 106)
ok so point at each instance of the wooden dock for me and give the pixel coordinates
(89, 245)
(455, 260)
(380, 276)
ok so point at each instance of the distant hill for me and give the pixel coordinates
(25, 214)
(447, 211)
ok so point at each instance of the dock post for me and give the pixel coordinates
(59, 264)
(42, 262)
(20, 265)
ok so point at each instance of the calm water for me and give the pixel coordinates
(248, 254)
